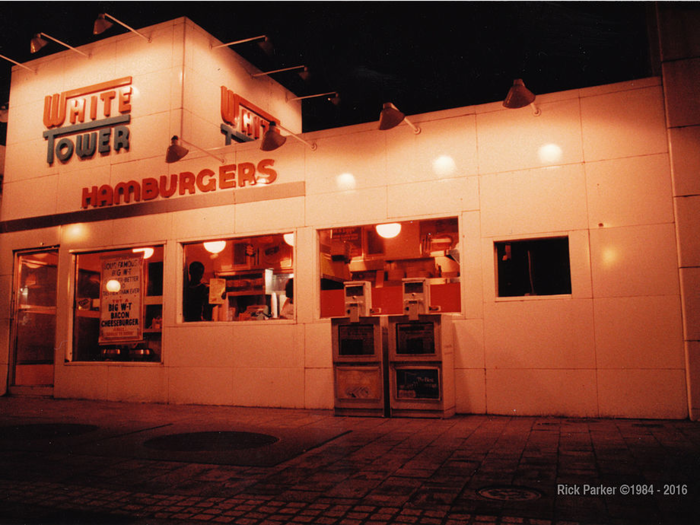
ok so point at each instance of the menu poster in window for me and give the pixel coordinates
(121, 310)
(352, 237)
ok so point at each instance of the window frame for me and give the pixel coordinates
(451, 277)
(533, 239)
(235, 268)
(157, 300)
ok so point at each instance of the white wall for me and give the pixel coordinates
(177, 69)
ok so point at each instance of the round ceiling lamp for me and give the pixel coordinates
(215, 246)
(388, 231)
(289, 238)
(147, 252)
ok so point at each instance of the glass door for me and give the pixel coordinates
(34, 319)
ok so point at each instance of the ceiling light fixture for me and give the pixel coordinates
(215, 246)
(261, 37)
(102, 25)
(519, 97)
(175, 151)
(18, 64)
(37, 43)
(389, 230)
(273, 139)
(391, 117)
(147, 252)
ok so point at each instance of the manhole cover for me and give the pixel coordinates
(509, 493)
(44, 431)
(210, 441)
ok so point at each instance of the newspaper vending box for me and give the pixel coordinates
(359, 356)
(421, 357)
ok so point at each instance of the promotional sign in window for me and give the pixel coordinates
(121, 311)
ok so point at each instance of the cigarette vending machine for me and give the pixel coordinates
(359, 356)
(421, 357)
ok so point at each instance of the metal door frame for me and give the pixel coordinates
(14, 309)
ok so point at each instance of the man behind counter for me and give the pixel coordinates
(197, 307)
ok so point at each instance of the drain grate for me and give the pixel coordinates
(509, 493)
(647, 425)
(210, 441)
(43, 431)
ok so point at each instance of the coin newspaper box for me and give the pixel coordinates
(421, 357)
(359, 356)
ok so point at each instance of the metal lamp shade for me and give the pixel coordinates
(101, 25)
(175, 151)
(518, 96)
(272, 139)
(390, 117)
(37, 43)
(267, 46)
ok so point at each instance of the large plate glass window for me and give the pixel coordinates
(533, 267)
(241, 279)
(384, 255)
(118, 314)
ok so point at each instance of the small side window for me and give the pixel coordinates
(533, 267)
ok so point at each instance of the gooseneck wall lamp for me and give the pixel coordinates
(38, 42)
(303, 74)
(391, 117)
(176, 152)
(272, 139)
(333, 97)
(18, 64)
(261, 37)
(519, 97)
(102, 25)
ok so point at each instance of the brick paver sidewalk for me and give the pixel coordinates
(463, 470)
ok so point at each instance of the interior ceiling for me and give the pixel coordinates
(422, 56)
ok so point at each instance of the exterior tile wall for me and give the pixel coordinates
(594, 166)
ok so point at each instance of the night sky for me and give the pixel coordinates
(422, 56)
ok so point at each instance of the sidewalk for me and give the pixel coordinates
(90, 462)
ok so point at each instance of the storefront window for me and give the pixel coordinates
(243, 279)
(118, 312)
(384, 255)
(533, 267)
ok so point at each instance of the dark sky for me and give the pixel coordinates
(423, 56)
